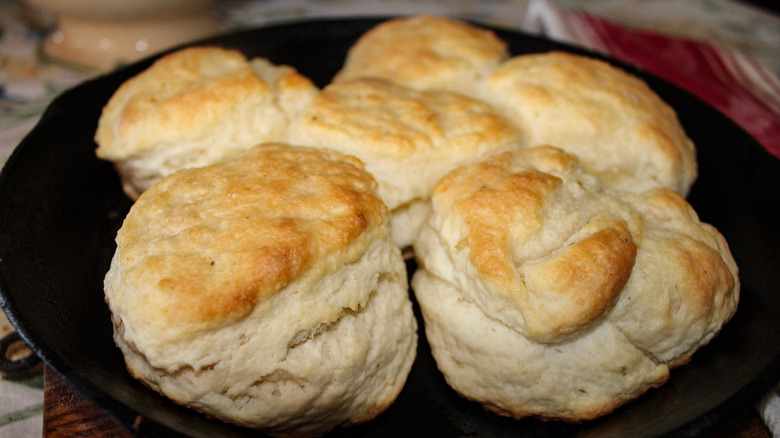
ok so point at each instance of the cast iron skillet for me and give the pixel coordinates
(60, 208)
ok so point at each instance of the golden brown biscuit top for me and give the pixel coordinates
(618, 127)
(372, 117)
(425, 52)
(504, 202)
(206, 245)
(184, 94)
(555, 247)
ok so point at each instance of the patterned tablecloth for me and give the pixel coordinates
(723, 51)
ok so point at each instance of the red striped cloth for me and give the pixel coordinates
(729, 80)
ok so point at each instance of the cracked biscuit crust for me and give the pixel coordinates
(546, 294)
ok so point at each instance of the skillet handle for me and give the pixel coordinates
(16, 363)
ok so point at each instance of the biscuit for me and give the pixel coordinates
(545, 294)
(407, 138)
(425, 52)
(265, 291)
(194, 107)
(612, 121)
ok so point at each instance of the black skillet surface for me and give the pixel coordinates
(60, 208)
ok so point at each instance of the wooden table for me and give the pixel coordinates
(66, 413)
